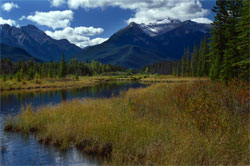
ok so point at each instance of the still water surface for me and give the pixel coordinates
(24, 150)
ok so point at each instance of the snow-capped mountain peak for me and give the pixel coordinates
(163, 26)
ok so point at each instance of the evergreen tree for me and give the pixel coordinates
(204, 66)
(218, 37)
(187, 61)
(50, 72)
(18, 76)
(21, 73)
(183, 64)
(63, 68)
(194, 61)
(178, 69)
(146, 70)
(199, 61)
(174, 70)
(231, 53)
(242, 28)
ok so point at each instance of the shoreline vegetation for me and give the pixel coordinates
(70, 82)
(196, 123)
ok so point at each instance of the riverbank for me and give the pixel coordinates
(70, 82)
(56, 83)
(200, 123)
(171, 79)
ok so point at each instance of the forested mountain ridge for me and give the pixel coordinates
(15, 54)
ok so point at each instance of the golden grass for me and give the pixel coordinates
(172, 79)
(45, 84)
(200, 123)
(56, 83)
(70, 82)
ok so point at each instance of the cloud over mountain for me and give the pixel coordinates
(149, 11)
(52, 19)
(78, 35)
(8, 21)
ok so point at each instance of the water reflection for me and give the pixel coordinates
(24, 149)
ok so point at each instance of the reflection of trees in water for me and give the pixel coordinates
(56, 96)
(75, 92)
(50, 95)
(103, 90)
(63, 94)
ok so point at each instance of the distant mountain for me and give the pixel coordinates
(138, 45)
(15, 54)
(36, 42)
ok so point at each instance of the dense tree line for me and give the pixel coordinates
(35, 70)
(230, 39)
(194, 63)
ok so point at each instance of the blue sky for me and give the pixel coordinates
(90, 22)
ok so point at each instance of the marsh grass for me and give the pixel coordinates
(45, 84)
(199, 123)
(68, 82)
(172, 79)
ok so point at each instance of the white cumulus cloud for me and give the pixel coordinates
(9, 6)
(78, 35)
(52, 19)
(8, 21)
(149, 11)
(202, 20)
(57, 3)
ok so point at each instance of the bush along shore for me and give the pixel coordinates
(200, 123)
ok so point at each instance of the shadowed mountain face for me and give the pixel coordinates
(36, 42)
(138, 45)
(15, 54)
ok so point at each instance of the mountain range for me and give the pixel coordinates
(134, 46)
(36, 42)
(138, 45)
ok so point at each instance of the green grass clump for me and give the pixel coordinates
(199, 123)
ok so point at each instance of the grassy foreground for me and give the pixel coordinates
(199, 123)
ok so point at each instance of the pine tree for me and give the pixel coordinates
(174, 70)
(21, 73)
(187, 61)
(218, 38)
(50, 73)
(204, 58)
(178, 69)
(18, 76)
(231, 53)
(199, 60)
(63, 68)
(242, 28)
(194, 61)
(183, 64)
